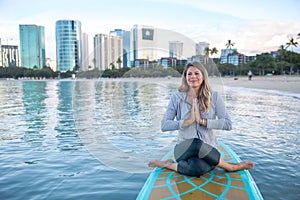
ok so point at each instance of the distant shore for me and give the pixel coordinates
(281, 83)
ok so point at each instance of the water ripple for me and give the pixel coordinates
(66, 137)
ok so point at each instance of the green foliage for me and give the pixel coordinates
(76, 68)
(265, 63)
(95, 73)
(179, 68)
(158, 71)
(21, 72)
(227, 69)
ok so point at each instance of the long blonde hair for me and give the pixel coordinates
(204, 92)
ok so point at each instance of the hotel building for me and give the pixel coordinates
(86, 58)
(32, 46)
(143, 44)
(175, 49)
(125, 35)
(68, 45)
(9, 56)
(200, 48)
(108, 52)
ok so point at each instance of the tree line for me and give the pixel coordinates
(265, 63)
(282, 62)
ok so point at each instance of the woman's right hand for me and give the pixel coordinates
(192, 117)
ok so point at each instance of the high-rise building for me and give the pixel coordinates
(1, 63)
(143, 43)
(225, 56)
(10, 56)
(200, 48)
(68, 45)
(32, 46)
(85, 52)
(175, 49)
(107, 51)
(125, 35)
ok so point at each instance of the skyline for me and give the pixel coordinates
(254, 27)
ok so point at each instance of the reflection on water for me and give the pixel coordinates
(34, 95)
(117, 122)
(266, 130)
(81, 139)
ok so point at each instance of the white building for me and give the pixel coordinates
(85, 52)
(51, 63)
(200, 48)
(149, 43)
(9, 56)
(143, 43)
(125, 35)
(108, 51)
(175, 49)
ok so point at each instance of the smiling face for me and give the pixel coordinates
(194, 77)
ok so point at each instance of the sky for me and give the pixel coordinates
(254, 26)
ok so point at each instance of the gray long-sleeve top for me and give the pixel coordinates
(180, 108)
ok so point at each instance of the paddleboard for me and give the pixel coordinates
(217, 184)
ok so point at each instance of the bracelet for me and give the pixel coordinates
(202, 122)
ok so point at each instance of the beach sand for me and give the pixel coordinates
(280, 83)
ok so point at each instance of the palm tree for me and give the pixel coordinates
(281, 49)
(119, 61)
(291, 43)
(206, 51)
(213, 51)
(228, 45)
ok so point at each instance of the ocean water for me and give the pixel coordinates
(92, 139)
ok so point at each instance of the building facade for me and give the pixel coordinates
(51, 63)
(9, 56)
(68, 45)
(143, 43)
(225, 55)
(108, 52)
(86, 58)
(125, 35)
(175, 49)
(200, 48)
(231, 56)
(32, 46)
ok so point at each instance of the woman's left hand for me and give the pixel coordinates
(196, 110)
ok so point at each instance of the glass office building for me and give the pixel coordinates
(68, 45)
(32, 46)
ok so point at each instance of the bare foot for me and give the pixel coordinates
(246, 165)
(170, 161)
(160, 163)
(241, 166)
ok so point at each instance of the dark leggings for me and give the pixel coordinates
(195, 157)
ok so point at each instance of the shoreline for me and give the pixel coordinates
(278, 83)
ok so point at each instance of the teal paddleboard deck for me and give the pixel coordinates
(218, 184)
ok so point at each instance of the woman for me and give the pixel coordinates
(197, 110)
